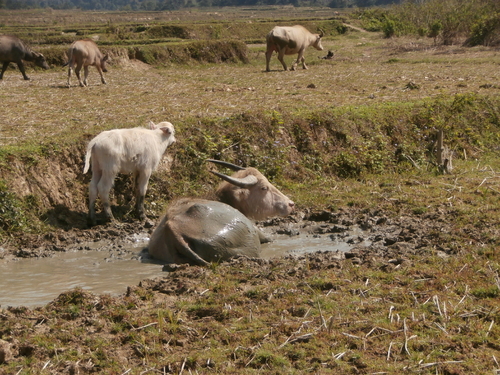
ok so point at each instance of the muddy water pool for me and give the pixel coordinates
(103, 270)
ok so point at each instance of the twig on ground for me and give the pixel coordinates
(389, 351)
(145, 326)
(182, 366)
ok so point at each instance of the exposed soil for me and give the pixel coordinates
(389, 237)
(395, 244)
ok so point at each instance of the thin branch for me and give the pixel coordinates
(147, 325)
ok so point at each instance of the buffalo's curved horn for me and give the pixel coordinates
(321, 33)
(245, 183)
(226, 164)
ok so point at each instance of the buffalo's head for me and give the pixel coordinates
(40, 60)
(250, 192)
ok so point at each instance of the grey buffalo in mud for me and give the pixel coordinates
(289, 40)
(85, 53)
(12, 49)
(199, 231)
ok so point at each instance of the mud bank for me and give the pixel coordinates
(117, 258)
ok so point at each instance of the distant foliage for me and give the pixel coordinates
(486, 31)
(475, 22)
(159, 5)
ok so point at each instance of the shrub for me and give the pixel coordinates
(12, 216)
(451, 20)
(486, 31)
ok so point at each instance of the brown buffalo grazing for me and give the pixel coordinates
(85, 53)
(200, 231)
(12, 49)
(289, 40)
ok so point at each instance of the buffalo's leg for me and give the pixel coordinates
(300, 58)
(102, 75)
(20, 65)
(269, 54)
(96, 176)
(281, 58)
(4, 68)
(69, 75)
(77, 72)
(104, 188)
(304, 66)
(142, 180)
(86, 74)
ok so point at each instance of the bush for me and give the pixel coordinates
(486, 31)
(11, 213)
(449, 20)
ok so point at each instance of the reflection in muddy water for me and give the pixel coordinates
(310, 243)
(35, 282)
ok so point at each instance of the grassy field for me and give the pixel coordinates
(354, 136)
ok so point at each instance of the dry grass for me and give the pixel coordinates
(366, 70)
(430, 311)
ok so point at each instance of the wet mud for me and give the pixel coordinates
(107, 259)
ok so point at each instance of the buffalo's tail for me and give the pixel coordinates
(87, 157)
(70, 58)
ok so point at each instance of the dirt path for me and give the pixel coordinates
(355, 28)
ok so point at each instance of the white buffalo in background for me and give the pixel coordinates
(289, 40)
(137, 151)
(85, 53)
(200, 231)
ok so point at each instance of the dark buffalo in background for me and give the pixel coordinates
(12, 49)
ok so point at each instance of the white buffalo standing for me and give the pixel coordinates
(137, 151)
(85, 53)
(289, 40)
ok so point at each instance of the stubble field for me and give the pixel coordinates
(423, 298)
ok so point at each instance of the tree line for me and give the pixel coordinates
(158, 5)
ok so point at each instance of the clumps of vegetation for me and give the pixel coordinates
(184, 53)
(486, 31)
(12, 211)
(348, 142)
(167, 31)
(447, 22)
(225, 51)
(313, 314)
(343, 142)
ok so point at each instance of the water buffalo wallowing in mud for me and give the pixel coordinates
(12, 49)
(200, 231)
